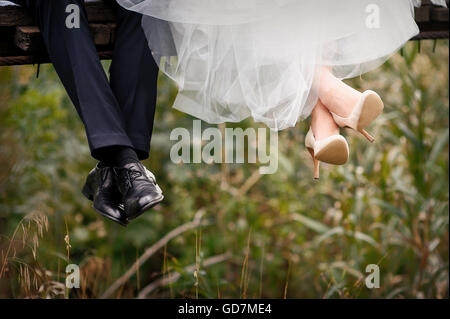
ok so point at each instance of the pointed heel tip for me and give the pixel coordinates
(369, 137)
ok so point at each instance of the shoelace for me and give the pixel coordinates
(130, 176)
(104, 173)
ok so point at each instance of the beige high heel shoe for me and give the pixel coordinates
(333, 150)
(369, 107)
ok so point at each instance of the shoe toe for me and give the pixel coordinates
(147, 199)
(113, 212)
(136, 207)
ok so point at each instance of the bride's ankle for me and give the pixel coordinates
(322, 123)
(339, 99)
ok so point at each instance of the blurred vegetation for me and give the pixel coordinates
(288, 235)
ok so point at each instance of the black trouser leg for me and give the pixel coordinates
(134, 75)
(74, 56)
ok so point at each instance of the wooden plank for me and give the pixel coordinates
(427, 35)
(21, 42)
(101, 33)
(422, 14)
(13, 16)
(113, 28)
(28, 38)
(22, 60)
(100, 11)
(43, 58)
(97, 11)
(7, 48)
(439, 14)
(433, 26)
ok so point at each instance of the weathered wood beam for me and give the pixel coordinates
(429, 13)
(13, 16)
(422, 14)
(28, 38)
(21, 42)
(43, 58)
(97, 11)
(432, 35)
(439, 14)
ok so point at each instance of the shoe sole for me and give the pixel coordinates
(148, 206)
(336, 152)
(118, 221)
(372, 107)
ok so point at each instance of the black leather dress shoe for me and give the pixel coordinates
(101, 188)
(138, 188)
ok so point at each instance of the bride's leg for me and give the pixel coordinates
(332, 147)
(341, 100)
(322, 123)
(337, 96)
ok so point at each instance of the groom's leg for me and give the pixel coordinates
(74, 56)
(134, 75)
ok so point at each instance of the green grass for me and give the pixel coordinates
(287, 235)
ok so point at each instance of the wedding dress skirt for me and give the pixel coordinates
(232, 59)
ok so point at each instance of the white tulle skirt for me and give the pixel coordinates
(233, 59)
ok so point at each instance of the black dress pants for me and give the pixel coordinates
(119, 112)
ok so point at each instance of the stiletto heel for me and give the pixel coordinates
(369, 107)
(332, 150)
(367, 135)
(316, 163)
(316, 169)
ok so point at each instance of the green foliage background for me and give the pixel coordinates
(289, 236)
